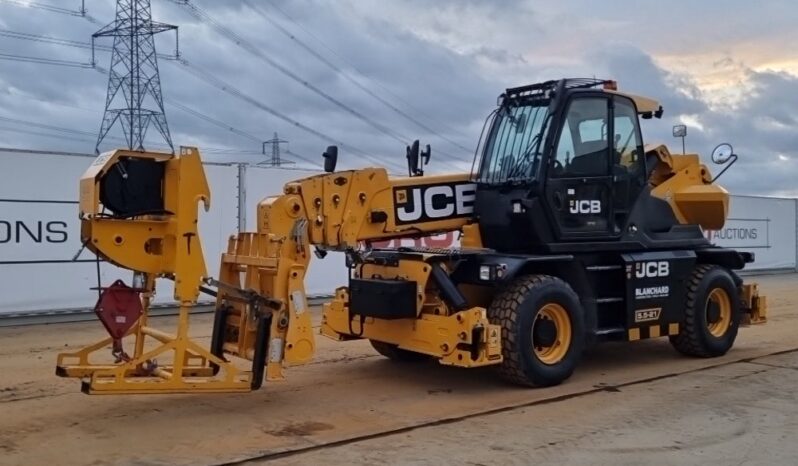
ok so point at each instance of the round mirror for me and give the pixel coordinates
(722, 153)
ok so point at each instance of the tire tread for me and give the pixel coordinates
(688, 340)
(504, 312)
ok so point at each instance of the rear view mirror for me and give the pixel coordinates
(330, 158)
(722, 153)
(426, 154)
(412, 158)
(416, 160)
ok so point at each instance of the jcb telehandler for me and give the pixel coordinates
(572, 232)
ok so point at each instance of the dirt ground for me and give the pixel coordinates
(627, 403)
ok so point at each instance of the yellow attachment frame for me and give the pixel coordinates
(164, 244)
(465, 338)
(449, 338)
(755, 306)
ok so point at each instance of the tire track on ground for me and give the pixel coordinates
(275, 455)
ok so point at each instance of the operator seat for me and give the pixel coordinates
(592, 162)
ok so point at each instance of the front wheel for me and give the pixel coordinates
(711, 314)
(543, 330)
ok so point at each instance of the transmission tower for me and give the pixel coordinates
(134, 85)
(276, 160)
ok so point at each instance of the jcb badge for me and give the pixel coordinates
(584, 206)
(432, 202)
(652, 269)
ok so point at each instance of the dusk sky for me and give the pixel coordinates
(401, 70)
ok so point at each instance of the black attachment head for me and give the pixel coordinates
(330, 158)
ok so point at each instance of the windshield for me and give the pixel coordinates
(512, 152)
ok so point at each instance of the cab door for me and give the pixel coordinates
(579, 185)
(629, 171)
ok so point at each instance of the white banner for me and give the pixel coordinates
(36, 231)
(764, 226)
(40, 233)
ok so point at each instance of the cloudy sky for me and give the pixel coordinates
(372, 75)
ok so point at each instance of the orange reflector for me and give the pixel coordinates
(611, 85)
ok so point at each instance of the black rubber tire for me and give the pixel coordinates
(394, 353)
(694, 338)
(515, 309)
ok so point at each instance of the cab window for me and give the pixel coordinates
(583, 148)
(627, 140)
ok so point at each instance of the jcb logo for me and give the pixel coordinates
(647, 315)
(652, 269)
(585, 207)
(433, 202)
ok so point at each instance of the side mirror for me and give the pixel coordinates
(330, 158)
(412, 158)
(426, 154)
(723, 154)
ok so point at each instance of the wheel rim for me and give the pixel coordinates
(556, 351)
(718, 297)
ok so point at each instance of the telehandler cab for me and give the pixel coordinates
(572, 232)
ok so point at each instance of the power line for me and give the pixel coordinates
(249, 47)
(172, 103)
(45, 126)
(87, 45)
(226, 87)
(75, 135)
(39, 133)
(45, 39)
(214, 121)
(210, 79)
(66, 42)
(351, 79)
(62, 130)
(233, 130)
(59, 129)
(44, 61)
(201, 15)
(213, 81)
(325, 45)
(300, 157)
(47, 7)
(82, 12)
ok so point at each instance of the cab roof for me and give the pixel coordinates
(646, 107)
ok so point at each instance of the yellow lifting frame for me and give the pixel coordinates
(177, 254)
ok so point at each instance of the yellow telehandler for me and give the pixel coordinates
(572, 232)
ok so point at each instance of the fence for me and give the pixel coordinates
(39, 231)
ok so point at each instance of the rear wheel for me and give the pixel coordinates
(712, 314)
(543, 329)
(394, 353)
